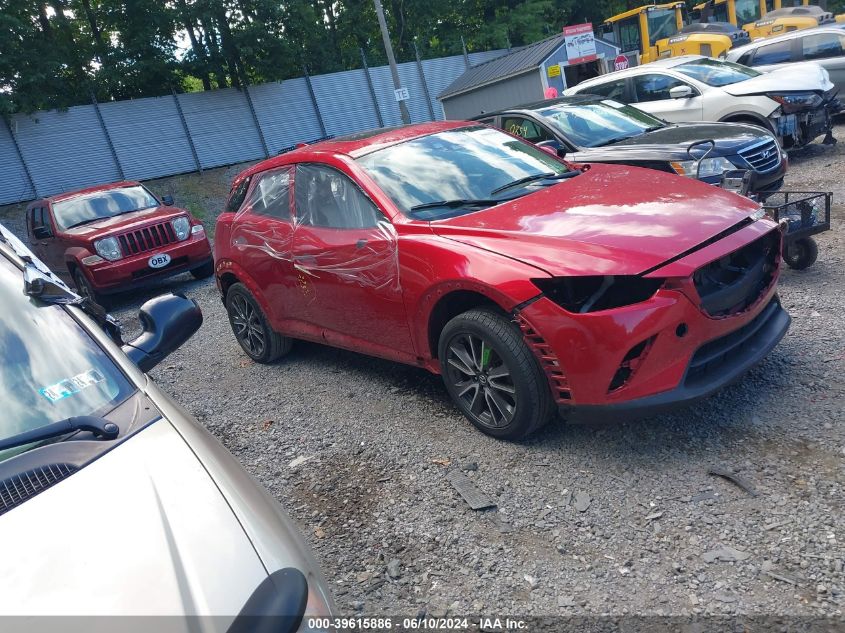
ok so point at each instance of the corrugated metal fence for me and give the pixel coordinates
(50, 152)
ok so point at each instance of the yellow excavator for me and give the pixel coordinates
(762, 18)
(654, 31)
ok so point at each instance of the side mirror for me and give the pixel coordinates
(41, 232)
(551, 147)
(168, 200)
(166, 322)
(680, 92)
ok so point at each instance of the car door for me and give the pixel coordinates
(347, 261)
(828, 50)
(651, 94)
(263, 237)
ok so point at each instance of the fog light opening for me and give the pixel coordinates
(630, 363)
(681, 330)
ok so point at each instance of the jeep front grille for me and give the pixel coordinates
(146, 238)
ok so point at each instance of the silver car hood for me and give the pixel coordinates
(806, 76)
(143, 530)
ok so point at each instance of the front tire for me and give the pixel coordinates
(251, 328)
(801, 254)
(86, 290)
(492, 375)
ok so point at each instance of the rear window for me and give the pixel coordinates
(610, 89)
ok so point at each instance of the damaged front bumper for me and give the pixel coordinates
(797, 129)
(712, 367)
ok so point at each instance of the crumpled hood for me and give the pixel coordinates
(143, 530)
(791, 78)
(612, 220)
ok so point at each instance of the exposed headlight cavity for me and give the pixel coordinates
(598, 292)
(181, 227)
(794, 101)
(108, 248)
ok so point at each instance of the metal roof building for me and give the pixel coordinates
(522, 75)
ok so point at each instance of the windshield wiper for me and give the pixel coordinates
(459, 202)
(544, 176)
(98, 426)
(88, 221)
(108, 217)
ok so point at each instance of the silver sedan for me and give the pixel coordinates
(114, 501)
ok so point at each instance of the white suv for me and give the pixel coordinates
(796, 103)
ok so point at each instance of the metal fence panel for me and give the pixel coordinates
(345, 102)
(222, 127)
(285, 113)
(69, 150)
(14, 183)
(65, 150)
(149, 137)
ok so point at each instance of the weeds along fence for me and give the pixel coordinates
(46, 153)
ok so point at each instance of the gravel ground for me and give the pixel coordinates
(618, 519)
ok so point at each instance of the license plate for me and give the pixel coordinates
(159, 261)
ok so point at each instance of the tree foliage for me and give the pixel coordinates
(58, 53)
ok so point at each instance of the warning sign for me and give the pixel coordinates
(554, 71)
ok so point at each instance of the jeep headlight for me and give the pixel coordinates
(181, 227)
(709, 167)
(108, 248)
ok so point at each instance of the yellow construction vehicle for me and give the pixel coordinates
(762, 18)
(654, 31)
(839, 17)
(736, 12)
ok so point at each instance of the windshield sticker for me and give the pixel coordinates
(70, 386)
(613, 104)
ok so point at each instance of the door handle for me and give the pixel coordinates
(361, 243)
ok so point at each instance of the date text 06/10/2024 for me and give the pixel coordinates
(416, 624)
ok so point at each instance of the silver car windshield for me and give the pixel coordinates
(101, 205)
(52, 369)
(716, 73)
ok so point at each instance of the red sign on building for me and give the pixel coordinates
(580, 43)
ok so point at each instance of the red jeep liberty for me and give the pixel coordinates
(116, 237)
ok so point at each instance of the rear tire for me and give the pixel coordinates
(801, 253)
(251, 328)
(492, 375)
(85, 290)
(203, 272)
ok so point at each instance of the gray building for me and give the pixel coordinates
(522, 76)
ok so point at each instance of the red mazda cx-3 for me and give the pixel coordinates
(116, 237)
(527, 282)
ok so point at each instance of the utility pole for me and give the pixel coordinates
(388, 48)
